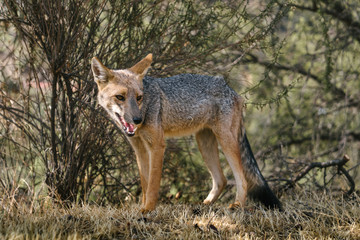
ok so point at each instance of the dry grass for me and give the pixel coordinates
(306, 216)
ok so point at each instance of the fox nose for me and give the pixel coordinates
(137, 120)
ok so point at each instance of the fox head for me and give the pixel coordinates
(121, 92)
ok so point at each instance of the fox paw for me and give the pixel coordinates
(144, 210)
(147, 209)
(235, 205)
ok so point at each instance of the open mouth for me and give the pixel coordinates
(128, 128)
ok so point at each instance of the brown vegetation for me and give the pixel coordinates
(305, 216)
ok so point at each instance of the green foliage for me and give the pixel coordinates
(316, 74)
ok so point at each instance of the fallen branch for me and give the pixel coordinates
(337, 162)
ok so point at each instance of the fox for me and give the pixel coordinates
(148, 110)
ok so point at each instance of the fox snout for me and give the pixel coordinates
(134, 111)
(137, 120)
(132, 117)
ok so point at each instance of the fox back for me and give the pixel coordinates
(186, 103)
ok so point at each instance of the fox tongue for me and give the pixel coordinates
(129, 127)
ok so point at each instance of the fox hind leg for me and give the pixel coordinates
(208, 147)
(230, 146)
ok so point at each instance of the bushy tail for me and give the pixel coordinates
(258, 189)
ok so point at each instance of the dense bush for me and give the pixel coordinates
(296, 62)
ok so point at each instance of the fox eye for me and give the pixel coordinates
(138, 98)
(120, 97)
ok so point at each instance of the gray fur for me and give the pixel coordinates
(186, 100)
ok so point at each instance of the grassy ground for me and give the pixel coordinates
(305, 216)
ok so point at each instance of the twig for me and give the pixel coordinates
(350, 179)
(337, 162)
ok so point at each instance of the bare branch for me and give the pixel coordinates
(337, 162)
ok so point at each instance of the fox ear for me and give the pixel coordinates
(101, 73)
(142, 67)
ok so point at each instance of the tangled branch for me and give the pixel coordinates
(337, 162)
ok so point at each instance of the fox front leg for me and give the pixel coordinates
(156, 154)
(142, 159)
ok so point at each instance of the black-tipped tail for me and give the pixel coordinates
(258, 189)
(264, 195)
